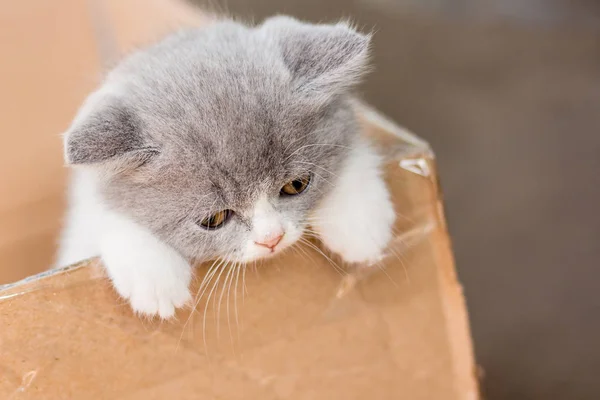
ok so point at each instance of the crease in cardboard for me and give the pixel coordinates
(42, 275)
(26, 381)
(400, 244)
(418, 166)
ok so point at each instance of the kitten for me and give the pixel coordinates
(223, 142)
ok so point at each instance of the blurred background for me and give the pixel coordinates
(508, 94)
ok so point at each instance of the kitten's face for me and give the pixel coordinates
(241, 187)
(222, 141)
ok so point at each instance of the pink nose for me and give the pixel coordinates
(270, 243)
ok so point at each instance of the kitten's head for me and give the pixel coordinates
(222, 140)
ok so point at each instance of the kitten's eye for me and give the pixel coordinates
(296, 186)
(216, 220)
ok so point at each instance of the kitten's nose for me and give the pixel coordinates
(271, 242)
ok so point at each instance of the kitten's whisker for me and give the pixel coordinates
(227, 275)
(205, 281)
(296, 249)
(399, 257)
(318, 166)
(312, 234)
(256, 269)
(304, 254)
(404, 217)
(244, 288)
(315, 144)
(339, 269)
(208, 276)
(332, 185)
(399, 215)
(233, 270)
(311, 132)
(310, 230)
(325, 179)
(206, 305)
(237, 278)
(382, 269)
(317, 133)
(198, 202)
(217, 260)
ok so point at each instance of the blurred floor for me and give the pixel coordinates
(508, 93)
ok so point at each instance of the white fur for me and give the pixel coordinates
(152, 275)
(144, 270)
(355, 219)
(267, 223)
(80, 236)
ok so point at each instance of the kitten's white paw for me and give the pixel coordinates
(356, 219)
(150, 274)
(361, 239)
(152, 290)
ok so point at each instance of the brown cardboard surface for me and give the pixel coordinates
(293, 328)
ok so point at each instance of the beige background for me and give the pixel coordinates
(51, 61)
(40, 92)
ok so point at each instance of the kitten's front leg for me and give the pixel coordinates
(150, 274)
(355, 219)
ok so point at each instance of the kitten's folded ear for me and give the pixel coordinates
(324, 59)
(105, 129)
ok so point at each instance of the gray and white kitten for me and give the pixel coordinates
(223, 142)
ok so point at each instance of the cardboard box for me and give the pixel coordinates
(294, 328)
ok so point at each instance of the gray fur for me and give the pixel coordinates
(214, 118)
